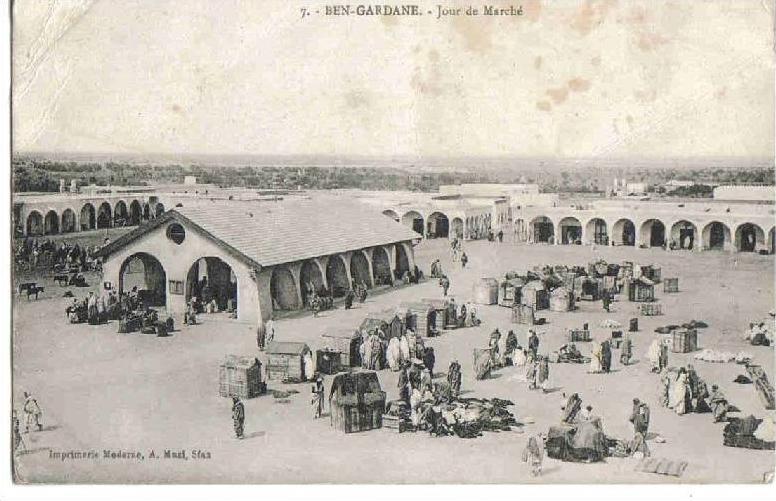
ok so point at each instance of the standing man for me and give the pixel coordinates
(32, 413)
(663, 359)
(533, 343)
(445, 283)
(464, 260)
(640, 419)
(261, 337)
(606, 359)
(606, 299)
(317, 399)
(269, 331)
(349, 297)
(238, 417)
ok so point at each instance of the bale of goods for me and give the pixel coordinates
(671, 285)
(347, 343)
(286, 361)
(510, 292)
(522, 314)
(440, 314)
(483, 362)
(486, 291)
(589, 289)
(535, 295)
(651, 272)
(579, 335)
(763, 386)
(357, 402)
(651, 309)
(561, 300)
(684, 340)
(420, 318)
(633, 325)
(240, 377)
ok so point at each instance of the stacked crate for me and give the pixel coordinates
(651, 309)
(522, 314)
(671, 285)
(240, 377)
(684, 340)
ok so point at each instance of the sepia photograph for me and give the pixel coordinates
(293, 242)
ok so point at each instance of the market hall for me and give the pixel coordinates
(254, 259)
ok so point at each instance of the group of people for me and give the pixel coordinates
(683, 391)
(99, 308)
(601, 358)
(34, 253)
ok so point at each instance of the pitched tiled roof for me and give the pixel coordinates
(271, 233)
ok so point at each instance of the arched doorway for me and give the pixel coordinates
(211, 279)
(282, 288)
(716, 236)
(310, 280)
(457, 226)
(570, 230)
(51, 223)
(35, 223)
(414, 220)
(103, 216)
(541, 230)
(391, 214)
(748, 237)
(438, 225)
(596, 231)
(145, 272)
(402, 261)
(159, 210)
(683, 234)
(68, 221)
(88, 218)
(337, 276)
(625, 230)
(120, 215)
(359, 269)
(653, 233)
(146, 212)
(381, 265)
(135, 213)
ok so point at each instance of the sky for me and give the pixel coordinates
(568, 79)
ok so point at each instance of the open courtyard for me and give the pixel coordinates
(104, 391)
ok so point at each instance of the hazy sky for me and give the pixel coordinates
(567, 79)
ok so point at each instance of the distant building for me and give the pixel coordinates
(190, 180)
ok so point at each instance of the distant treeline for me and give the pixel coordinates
(31, 174)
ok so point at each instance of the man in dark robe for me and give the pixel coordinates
(663, 358)
(349, 297)
(606, 359)
(238, 416)
(533, 343)
(454, 378)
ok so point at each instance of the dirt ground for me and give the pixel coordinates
(100, 390)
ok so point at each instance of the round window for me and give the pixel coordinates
(176, 233)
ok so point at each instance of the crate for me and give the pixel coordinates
(240, 377)
(684, 340)
(651, 309)
(671, 285)
(394, 423)
(579, 336)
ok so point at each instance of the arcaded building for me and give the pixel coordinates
(265, 256)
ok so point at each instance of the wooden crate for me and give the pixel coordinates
(651, 309)
(579, 336)
(393, 423)
(671, 285)
(684, 340)
(240, 377)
